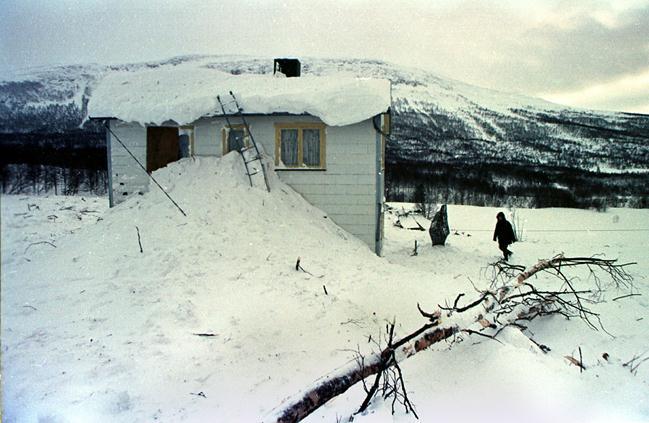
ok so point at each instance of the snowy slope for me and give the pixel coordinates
(95, 331)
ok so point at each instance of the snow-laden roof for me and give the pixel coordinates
(184, 93)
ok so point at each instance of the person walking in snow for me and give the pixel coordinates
(504, 234)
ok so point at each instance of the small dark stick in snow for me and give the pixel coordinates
(542, 347)
(299, 267)
(626, 296)
(39, 243)
(574, 361)
(325, 290)
(635, 362)
(414, 252)
(419, 227)
(139, 241)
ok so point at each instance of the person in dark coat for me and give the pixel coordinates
(504, 234)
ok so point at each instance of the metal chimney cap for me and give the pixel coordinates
(289, 67)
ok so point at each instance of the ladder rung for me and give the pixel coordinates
(224, 102)
(257, 157)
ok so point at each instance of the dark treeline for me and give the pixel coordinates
(75, 162)
(77, 149)
(78, 158)
(24, 178)
(59, 163)
(497, 184)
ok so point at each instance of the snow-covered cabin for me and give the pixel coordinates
(325, 135)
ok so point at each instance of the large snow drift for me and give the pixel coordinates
(93, 330)
(183, 93)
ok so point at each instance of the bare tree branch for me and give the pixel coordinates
(513, 301)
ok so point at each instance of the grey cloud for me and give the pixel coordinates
(485, 43)
(638, 102)
(554, 59)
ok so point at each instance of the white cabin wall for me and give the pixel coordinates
(208, 132)
(208, 138)
(127, 178)
(345, 191)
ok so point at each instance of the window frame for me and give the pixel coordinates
(300, 127)
(225, 131)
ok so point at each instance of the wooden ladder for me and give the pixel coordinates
(249, 154)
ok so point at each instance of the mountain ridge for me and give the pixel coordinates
(437, 122)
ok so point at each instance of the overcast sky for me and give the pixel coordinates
(590, 53)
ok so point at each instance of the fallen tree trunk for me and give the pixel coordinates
(335, 385)
(514, 301)
(541, 265)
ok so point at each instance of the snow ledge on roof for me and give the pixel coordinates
(185, 93)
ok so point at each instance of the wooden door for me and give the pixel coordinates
(162, 146)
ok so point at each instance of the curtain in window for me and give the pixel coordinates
(311, 147)
(289, 147)
(235, 140)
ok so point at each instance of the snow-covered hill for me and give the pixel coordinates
(463, 143)
(94, 330)
(435, 119)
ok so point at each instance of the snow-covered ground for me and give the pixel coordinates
(93, 330)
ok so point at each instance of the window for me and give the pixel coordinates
(300, 145)
(235, 139)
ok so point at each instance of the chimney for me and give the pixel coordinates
(289, 67)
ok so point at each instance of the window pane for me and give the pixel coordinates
(311, 147)
(289, 147)
(183, 145)
(235, 140)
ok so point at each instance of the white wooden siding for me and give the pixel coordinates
(127, 177)
(345, 190)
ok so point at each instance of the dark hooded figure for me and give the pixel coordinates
(504, 234)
